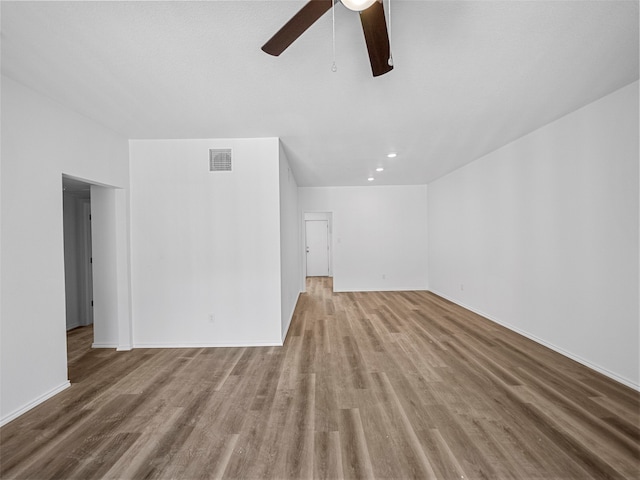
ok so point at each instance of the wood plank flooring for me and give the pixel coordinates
(368, 385)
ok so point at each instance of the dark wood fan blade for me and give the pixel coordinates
(295, 27)
(374, 27)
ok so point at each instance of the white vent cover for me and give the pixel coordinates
(220, 160)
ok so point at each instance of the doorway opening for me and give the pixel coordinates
(78, 276)
(318, 247)
(96, 262)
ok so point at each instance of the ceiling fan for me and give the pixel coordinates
(374, 27)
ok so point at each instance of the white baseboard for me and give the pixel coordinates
(104, 345)
(207, 345)
(34, 403)
(549, 345)
(386, 289)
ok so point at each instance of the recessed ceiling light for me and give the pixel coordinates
(370, 179)
(392, 155)
(379, 169)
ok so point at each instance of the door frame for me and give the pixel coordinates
(110, 272)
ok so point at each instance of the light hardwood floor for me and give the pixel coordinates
(368, 385)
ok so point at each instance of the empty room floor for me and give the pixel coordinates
(368, 385)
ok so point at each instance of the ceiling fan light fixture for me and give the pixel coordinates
(358, 5)
(374, 28)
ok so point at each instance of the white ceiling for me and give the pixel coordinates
(469, 77)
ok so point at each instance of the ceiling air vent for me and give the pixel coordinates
(220, 160)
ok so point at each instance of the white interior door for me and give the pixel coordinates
(317, 239)
(87, 263)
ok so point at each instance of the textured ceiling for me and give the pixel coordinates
(469, 77)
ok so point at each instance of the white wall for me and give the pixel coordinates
(379, 235)
(291, 268)
(205, 244)
(108, 299)
(41, 140)
(542, 234)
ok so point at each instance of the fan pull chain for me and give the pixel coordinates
(390, 59)
(334, 67)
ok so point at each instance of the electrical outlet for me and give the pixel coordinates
(211, 319)
(384, 276)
